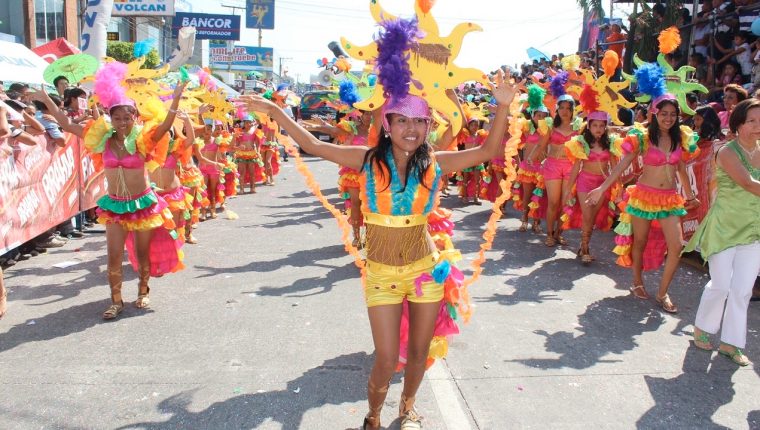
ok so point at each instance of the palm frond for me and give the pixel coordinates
(592, 6)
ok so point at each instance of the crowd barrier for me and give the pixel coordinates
(42, 186)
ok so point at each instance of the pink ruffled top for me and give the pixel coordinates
(598, 155)
(655, 157)
(557, 138)
(129, 161)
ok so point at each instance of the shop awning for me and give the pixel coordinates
(19, 64)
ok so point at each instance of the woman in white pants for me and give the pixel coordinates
(729, 238)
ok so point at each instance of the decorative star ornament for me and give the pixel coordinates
(676, 82)
(140, 83)
(431, 62)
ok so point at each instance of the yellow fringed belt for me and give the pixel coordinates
(395, 220)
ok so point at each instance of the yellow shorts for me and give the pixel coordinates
(388, 285)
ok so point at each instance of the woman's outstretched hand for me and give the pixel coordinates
(503, 90)
(256, 103)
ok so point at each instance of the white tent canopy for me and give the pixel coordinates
(19, 64)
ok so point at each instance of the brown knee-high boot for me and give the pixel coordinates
(117, 303)
(143, 300)
(375, 398)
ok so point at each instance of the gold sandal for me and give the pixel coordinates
(550, 241)
(639, 292)
(666, 304)
(143, 300)
(537, 228)
(113, 311)
(410, 419)
(523, 226)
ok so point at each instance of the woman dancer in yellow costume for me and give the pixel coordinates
(399, 182)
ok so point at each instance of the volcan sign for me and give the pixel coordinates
(143, 8)
(208, 26)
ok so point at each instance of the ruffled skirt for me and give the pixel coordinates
(652, 204)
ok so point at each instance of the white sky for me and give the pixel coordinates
(303, 28)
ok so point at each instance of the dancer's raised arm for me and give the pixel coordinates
(349, 156)
(504, 92)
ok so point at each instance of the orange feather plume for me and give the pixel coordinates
(610, 62)
(669, 40)
(426, 5)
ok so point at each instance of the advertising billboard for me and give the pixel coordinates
(241, 58)
(143, 8)
(259, 14)
(208, 26)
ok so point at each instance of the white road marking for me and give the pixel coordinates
(447, 396)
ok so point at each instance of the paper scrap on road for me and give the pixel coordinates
(65, 264)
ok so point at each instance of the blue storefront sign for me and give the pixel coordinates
(241, 58)
(208, 26)
(259, 14)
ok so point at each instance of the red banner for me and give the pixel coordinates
(42, 186)
(701, 171)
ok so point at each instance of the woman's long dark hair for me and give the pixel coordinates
(557, 118)
(710, 128)
(604, 141)
(419, 161)
(674, 132)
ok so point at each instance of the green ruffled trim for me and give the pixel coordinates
(641, 136)
(690, 139)
(127, 206)
(655, 215)
(576, 123)
(538, 192)
(624, 229)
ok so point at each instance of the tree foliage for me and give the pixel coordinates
(124, 52)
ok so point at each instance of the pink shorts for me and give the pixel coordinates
(556, 168)
(209, 170)
(588, 181)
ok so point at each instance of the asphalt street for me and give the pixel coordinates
(266, 329)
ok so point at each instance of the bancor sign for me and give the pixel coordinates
(208, 26)
(143, 8)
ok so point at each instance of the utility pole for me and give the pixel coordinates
(231, 43)
(281, 59)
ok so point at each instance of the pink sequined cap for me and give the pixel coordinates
(655, 102)
(410, 106)
(598, 115)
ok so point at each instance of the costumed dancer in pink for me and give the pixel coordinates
(591, 153)
(530, 182)
(653, 206)
(556, 167)
(131, 207)
(247, 154)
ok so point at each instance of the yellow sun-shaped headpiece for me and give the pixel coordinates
(609, 98)
(431, 62)
(140, 83)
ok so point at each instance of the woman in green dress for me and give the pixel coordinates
(729, 238)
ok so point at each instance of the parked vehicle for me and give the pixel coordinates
(312, 107)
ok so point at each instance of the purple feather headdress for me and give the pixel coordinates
(558, 83)
(392, 64)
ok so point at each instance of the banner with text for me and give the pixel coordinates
(42, 186)
(208, 26)
(143, 8)
(241, 58)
